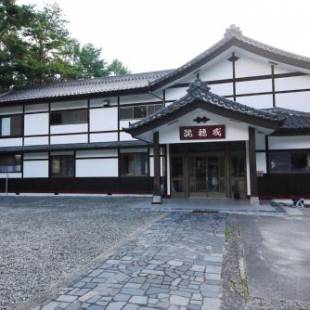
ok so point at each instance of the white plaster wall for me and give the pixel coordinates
(291, 83)
(97, 167)
(289, 142)
(40, 107)
(69, 128)
(36, 169)
(96, 153)
(67, 139)
(251, 66)
(220, 70)
(36, 124)
(254, 86)
(11, 142)
(103, 119)
(175, 93)
(261, 165)
(103, 137)
(296, 101)
(68, 105)
(235, 131)
(36, 140)
(258, 102)
(225, 89)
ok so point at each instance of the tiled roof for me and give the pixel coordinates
(109, 84)
(294, 121)
(199, 91)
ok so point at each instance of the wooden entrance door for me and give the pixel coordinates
(207, 177)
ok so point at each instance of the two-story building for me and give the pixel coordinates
(232, 122)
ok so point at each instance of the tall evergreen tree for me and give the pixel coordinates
(15, 21)
(89, 61)
(117, 68)
(36, 47)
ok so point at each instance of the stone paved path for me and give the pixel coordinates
(175, 264)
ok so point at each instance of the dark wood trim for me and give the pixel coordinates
(269, 93)
(64, 134)
(49, 123)
(233, 60)
(36, 159)
(148, 161)
(91, 185)
(156, 152)
(273, 86)
(228, 184)
(118, 118)
(252, 160)
(284, 185)
(186, 172)
(165, 171)
(267, 154)
(244, 79)
(164, 98)
(96, 157)
(23, 126)
(88, 120)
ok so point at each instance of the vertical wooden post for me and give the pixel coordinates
(252, 161)
(227, 168)
(186, 180)
(157, 190)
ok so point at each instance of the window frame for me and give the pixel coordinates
(20, 163)
(121, 164)
(51, 123)
(51, 157)
(288, 153)
(150, 109)
(10, 116)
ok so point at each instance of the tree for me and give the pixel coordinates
(14, 22)
(48, 50)
(36, 47)
(89, 62)
(117, 68)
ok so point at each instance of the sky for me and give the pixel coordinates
(149, 35)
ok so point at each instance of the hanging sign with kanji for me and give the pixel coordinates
(202, 132)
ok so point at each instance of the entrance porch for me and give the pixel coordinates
(213, 170)
(210, 143)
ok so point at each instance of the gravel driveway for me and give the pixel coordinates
(47, 242)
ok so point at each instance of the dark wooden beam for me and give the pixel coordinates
(157, 189)
(252, 160)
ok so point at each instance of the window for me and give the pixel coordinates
(62, 165)
(11, 126)
(69, 117)
(10, 163)
(139, 111)
(297, 162)
(133, 164)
